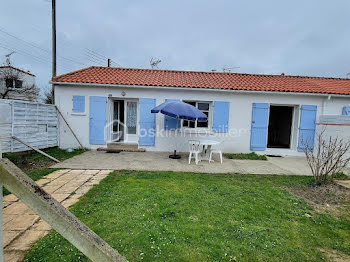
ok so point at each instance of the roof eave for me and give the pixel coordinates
(197, 88)
(18, 69)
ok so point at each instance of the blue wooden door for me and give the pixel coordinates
(307, 126)
(260, 117)
(97, 120)
(147, 122)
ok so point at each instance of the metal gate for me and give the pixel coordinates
(34, 123)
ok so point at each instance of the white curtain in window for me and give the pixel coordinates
(131, 114)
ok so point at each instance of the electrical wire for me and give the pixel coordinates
(22, 49)
(38, 47)
(95, 59)
(97, 55)
(36, 58)
(94, 62)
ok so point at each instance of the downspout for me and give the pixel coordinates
(329, 97)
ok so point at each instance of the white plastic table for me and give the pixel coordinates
(207, 144)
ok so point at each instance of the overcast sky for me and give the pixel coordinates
(300, 37)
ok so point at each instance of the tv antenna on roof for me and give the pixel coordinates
(229, 69)
(8, 62)
(154, 63)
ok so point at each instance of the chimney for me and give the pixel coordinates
(282, 74)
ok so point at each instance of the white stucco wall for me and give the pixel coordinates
(239, 120)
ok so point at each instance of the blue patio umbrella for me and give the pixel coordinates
(179, 110)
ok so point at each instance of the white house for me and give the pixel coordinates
(271, 114)
(17, 84)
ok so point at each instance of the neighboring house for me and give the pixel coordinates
(17, 84)
(272, 114)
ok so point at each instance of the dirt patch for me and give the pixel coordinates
(331, 194)
(335, 255)
(35, 165)
(29, 160)
(330, 197)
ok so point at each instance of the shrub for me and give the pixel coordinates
(327, 158)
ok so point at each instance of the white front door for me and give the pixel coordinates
(130, 127)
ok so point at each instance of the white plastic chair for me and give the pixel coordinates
(195, 151)
(215, 151)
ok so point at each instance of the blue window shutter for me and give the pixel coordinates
(78, 104)
(147, 122)
(171, 123)
(97, 120)
(346, 111)
(260, 118)
(221, 116)
(307, 126)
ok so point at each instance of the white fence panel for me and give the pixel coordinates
(34, 123)
(5, 125)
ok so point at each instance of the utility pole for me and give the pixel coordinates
(109, 62)
(53, 45)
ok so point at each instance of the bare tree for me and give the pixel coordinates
(328, 157)
(8, 78)
(48, 96)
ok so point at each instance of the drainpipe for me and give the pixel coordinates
(324, 104)
(1, 225)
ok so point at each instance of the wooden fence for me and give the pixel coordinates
(34, 123)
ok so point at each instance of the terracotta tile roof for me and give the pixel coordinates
(20, 70)
(210, 80)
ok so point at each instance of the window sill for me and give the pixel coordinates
(197, 131)
(78, 114)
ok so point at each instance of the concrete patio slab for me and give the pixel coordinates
(160, 161)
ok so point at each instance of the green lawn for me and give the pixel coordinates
(168, 216)
(36, 165)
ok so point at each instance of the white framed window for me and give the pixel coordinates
(204, 107)
(14, 83)
(18, 83)
(9, 83)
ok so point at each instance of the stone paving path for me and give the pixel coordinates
(22, 227)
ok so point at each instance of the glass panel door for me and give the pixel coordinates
(131, 117)
(118, 126)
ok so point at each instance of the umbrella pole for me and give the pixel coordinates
(175, 156)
